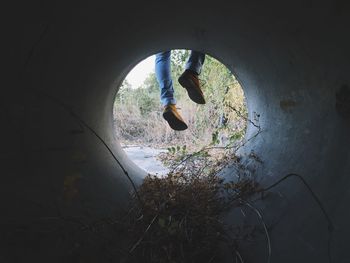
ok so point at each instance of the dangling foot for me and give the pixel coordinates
(173, 117)
(190, 82)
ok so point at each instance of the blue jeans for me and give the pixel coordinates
(163, 73)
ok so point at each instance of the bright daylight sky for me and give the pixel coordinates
(140, 72)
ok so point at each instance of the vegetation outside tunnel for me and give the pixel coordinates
(138, 118)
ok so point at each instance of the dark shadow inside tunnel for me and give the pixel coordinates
(291, 58)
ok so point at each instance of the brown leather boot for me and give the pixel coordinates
(190, 82)
(173, 117)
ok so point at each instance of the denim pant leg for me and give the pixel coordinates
(163, 74)
(195, 62)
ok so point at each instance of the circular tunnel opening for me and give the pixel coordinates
(291, 59)
(185, 191)
(138, 112)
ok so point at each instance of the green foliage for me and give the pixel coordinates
(236, 136)
(146, 97)
(178, 150)
(215, 137)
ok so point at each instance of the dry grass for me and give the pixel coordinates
(180, 217)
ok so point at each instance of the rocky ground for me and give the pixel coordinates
(145, 158)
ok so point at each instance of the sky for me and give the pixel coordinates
(140, 72)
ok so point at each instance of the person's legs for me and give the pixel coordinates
(189, 79)
(195, 62)
(163, 74)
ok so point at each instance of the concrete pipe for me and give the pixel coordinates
(64, 64)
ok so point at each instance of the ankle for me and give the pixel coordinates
(192, 72)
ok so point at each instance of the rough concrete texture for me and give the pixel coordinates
(291, 57)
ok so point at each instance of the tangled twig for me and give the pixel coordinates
(318, 201)
(238, 255)
(315, 197)
(243, 117)
(144, 234)
(206, 148)
(268, 241)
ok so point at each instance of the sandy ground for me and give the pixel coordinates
(145, 158)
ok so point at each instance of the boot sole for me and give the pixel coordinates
(174, 122)
(192, 91)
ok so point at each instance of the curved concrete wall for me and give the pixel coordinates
(291, 59)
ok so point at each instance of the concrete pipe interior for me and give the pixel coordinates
(291, 59)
